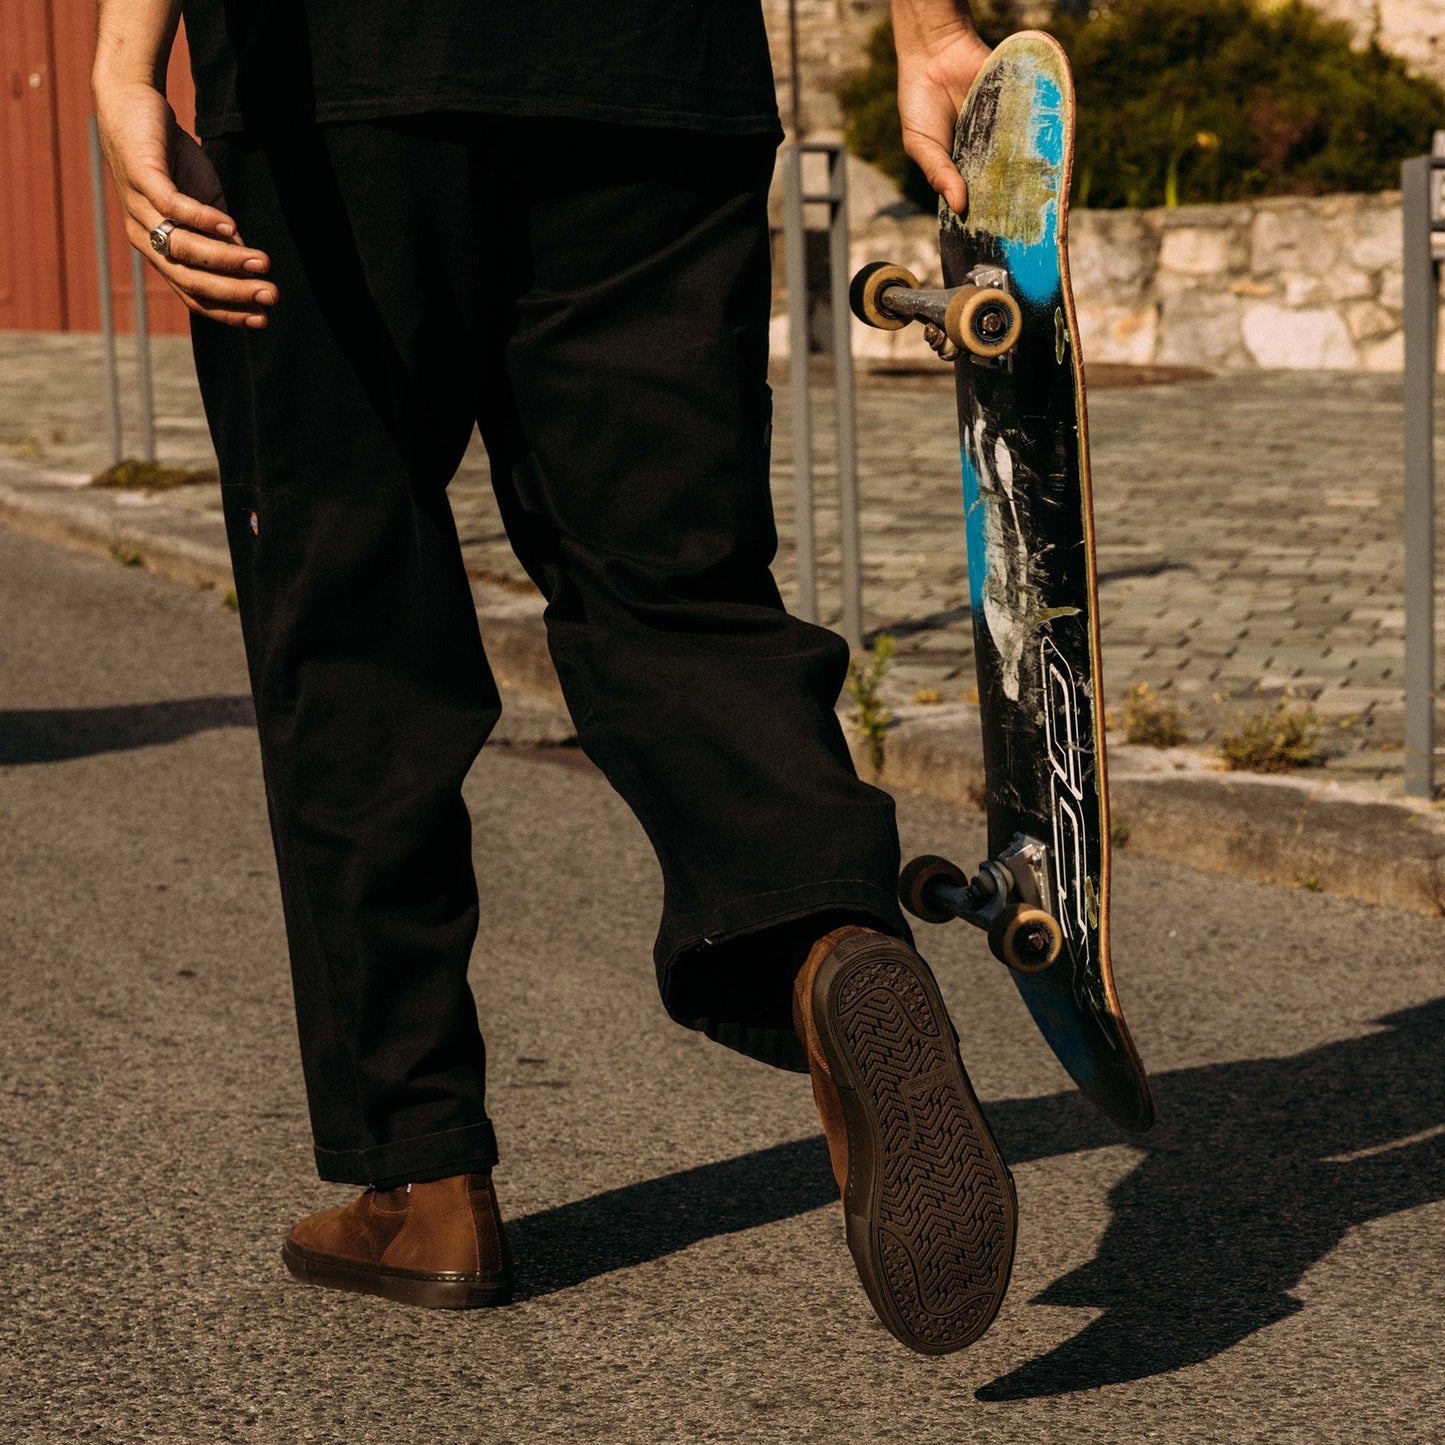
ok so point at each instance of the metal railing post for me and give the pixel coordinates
(835, 197)
(140, 313)
(795, 243)
(107, 303)
(1423, 215)
(844, 401)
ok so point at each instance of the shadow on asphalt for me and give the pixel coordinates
(51, 735)
(1256, 1171)
(566, 1246)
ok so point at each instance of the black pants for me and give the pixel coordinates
(596, 299)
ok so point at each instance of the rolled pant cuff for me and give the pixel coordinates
(766, 910)
(471, 1149)
(763, 1031)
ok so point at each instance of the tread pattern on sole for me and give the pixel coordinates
(942, 1214)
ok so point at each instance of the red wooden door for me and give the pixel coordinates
(32, 268)
(49, 279)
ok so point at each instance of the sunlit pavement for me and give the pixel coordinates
(1264, 1265)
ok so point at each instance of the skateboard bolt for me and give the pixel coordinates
(991, 323)
(1033, 943)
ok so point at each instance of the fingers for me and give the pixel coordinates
(158, 188)
(230, 298)
(251, 315)
(208, 289)
(192, 245)
(933, 82)
(936, 163)
(218, 279)
(225, 258)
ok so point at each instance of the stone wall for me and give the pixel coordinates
(1411, 29)
(1282, 283)
(1294, 283)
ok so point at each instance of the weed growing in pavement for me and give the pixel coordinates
(1276, 738)
(135, 475)
(865, 677)
(927, 696)
(1311, 884)
(127, 555)
(1118, 833)
(1150, 720)
(228, 600)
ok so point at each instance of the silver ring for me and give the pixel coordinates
(161, 238)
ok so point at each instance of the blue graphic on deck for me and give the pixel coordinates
(973, 517)
(1034, 267)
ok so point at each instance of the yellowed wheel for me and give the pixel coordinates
(1025, 938)
(983, 320)
(867, 288)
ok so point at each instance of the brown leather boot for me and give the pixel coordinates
(928, 1203)
(440, 1245)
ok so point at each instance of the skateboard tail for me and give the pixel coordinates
(1106, 1069)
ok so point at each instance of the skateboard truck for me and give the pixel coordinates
(979, 317)
(1009, 897)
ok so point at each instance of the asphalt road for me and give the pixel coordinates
(1266, 1265)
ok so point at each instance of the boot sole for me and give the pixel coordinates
(404, 1286)
(931, 1210)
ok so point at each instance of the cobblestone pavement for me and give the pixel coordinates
(1249, 529)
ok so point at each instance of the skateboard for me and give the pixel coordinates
(1006, 321)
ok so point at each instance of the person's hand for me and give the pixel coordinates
(936, 68)
(161, 173)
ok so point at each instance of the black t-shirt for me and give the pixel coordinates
(699, 64)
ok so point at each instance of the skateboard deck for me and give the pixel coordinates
(1028, 515)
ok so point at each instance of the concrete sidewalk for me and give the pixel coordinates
(1249, 547)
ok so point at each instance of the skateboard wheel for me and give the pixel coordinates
(1025, 938)
(916, 880)
(868, 287)
(983, 320)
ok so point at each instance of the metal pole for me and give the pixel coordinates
(845, 401)
(795, 240)
(1421, 302)
(107, 309)
(141, 312)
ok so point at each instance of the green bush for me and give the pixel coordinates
(1201, 100)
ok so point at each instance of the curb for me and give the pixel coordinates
(172, 541)
(1175, 804)
(1171, 805)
